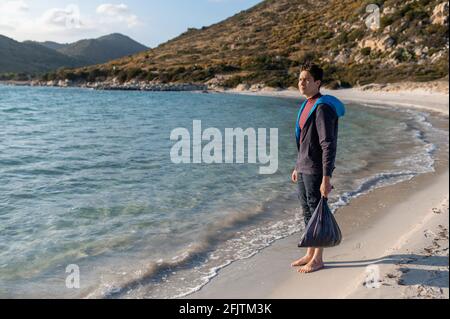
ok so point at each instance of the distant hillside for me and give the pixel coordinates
(103, 49)
(37, 57)
(51, 45)
(267, 43)
(31, 57)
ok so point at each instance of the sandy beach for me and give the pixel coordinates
(395, 238)
(431, 99)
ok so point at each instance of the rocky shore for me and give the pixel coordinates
(114, 85)
(438, 86)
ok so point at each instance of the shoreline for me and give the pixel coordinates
(248, 278)
(436, 102)
(114, 86)
(397, 213)
(430, 97)
(411, 260)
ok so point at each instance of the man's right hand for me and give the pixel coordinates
(294, 176)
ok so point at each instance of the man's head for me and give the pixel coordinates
(310, 81)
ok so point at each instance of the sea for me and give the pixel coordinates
(93, 206)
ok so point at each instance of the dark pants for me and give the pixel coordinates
(309, 193)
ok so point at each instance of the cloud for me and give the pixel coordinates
(117, 12)
(62, 18)
(10, 12)
(13, 6)
(21, 22)
(113, 9)
(6, 27)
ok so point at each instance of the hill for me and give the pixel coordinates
(50, 44)
(29, 57)
(267, 43)
(102, 49)
(33, 57)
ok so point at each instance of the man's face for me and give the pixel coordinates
(306, 84)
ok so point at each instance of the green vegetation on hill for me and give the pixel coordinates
(267, 43)
(37, 57)
(30, 57)
(103, 49)
(50, 44)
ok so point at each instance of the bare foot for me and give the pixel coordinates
(312, 266)
(302, 261)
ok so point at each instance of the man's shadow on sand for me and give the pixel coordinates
(431, 276)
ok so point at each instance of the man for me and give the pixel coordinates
(316, 133)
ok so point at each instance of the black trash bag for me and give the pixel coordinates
(322, 229)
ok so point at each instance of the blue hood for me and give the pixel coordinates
(332, 101)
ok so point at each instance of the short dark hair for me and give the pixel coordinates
(313, 69)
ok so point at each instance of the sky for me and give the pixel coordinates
(149, 22)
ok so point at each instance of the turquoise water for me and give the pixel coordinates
(86, 179)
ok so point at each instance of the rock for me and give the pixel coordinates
(421, 61)
(386, 42)
(215, 87)
(388, 11)
(359, 58)
(382, 43)
(437, 56)
(242, 87)
(418, 52)
(342, 57)
(270, 89)
(415, 40)
(440, 14)
(257, 87)
(132, 85)
(64, 83)
(390, 61)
